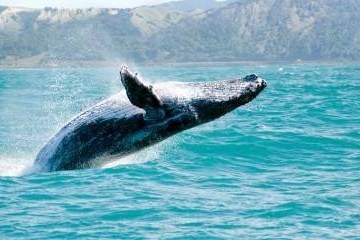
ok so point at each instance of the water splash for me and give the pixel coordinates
(13, 167)
(17, 167)
(152, 153)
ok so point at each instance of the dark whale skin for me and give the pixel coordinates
(116, 127)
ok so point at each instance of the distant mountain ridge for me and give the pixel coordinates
(257, 30)
(192, 5)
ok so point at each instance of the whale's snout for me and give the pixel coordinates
(255, 83)
(261, 83)
(264, 83)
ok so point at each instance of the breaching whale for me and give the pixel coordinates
(140, 116)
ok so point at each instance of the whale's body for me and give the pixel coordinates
(140, 116)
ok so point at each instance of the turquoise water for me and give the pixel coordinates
(285, 166)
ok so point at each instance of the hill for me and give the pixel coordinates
(269, 30)
(258, 30)
(193, 5)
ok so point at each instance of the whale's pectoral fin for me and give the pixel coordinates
(142, 95)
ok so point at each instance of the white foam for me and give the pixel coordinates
(14, 167)
(152, 153)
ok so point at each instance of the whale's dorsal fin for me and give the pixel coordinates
(142, 95)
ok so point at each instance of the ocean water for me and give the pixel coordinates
(285, 166)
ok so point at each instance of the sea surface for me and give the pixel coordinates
(285, 166)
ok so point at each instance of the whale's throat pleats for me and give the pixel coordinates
(142, 95)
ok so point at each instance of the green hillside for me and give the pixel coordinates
(257, 30)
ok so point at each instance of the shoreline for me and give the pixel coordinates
(117, 62)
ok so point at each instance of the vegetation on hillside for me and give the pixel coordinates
(256, 30)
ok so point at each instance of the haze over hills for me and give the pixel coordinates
(188, 6)
(257, 30)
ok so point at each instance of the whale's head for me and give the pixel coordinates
(180, 105)
(207, 101)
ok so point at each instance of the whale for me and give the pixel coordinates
(139, 116)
